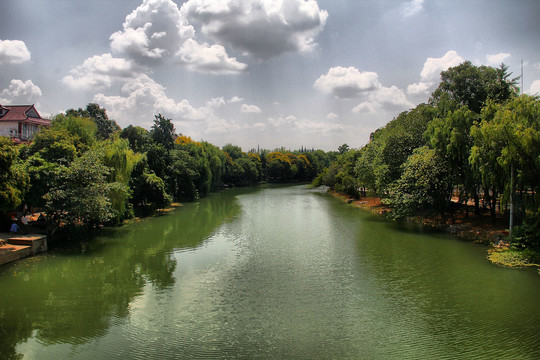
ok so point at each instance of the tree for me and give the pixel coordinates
(105, 126)
(235, 152)
(81, 193)
(450, 137)
(508, 137)
(470, 85)
(163, 131)
(138, 137)
(342, 149)
(13, 178)
(423, 185)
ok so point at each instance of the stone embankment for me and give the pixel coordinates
(14, 247)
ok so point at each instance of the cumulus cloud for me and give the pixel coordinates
(20, 92)
(259, 28)
(346, 83)
(251, 109)
(153, 31)
(430, 74)
(433, 66)
(413, 7)
(420, 88)
(365, 107)
(13, 52)
(206, 58)
(350, 83)
(99, 72)
(535, 88)
(496, 59)
(142, 97)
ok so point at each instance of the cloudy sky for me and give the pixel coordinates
(256, 72)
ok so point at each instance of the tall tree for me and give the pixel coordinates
(163, 131)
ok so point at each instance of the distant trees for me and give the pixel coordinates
(85, 170)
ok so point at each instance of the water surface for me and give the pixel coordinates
(271, 273)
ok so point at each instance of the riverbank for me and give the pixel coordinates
(474, 228)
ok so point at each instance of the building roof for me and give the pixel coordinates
(24, 113)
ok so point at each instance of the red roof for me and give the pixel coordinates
(25, 113)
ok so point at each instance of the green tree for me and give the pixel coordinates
(451, 138)
(162, 132)
(423, 186)
(81, 193)
(13, 178)
(105, 126)
(470, 85)
(138, 137)
(508, 137)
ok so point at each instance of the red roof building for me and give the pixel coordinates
(21, 122)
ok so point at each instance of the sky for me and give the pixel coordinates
(256, 73)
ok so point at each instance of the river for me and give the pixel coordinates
(281, 272)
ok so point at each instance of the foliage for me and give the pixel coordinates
(13, 178)
(80, 193)
(163, 132)
(423, 186)
(105, 126)
(138, 137)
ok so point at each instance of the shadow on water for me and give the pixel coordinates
(75, 293)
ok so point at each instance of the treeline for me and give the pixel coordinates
(86, 170)
(475, 139)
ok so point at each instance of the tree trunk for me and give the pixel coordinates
(476, 203)
(493, 208)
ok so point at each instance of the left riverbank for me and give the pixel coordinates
(15, 246)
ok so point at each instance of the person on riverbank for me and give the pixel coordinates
(24, 221)
(14, 228)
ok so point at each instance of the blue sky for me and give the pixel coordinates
(266, 73)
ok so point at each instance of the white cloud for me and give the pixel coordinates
(433, 66)
(497, 59)
(142, 98)
(535, 88)
(20, 93)
(332, 116)
(350, 83)
(346, 83)
(153, 31)
(420, 88)
(318, 126)
(235, 99)
(260, 28)
(280, 120)
(99, 72)
(430, 74)
(413, 7)
(208, 59)
(252, 109)
(13, 52)
(216, 102)
(259, 126)
(365, 107)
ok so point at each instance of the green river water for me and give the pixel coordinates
(270, 273)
